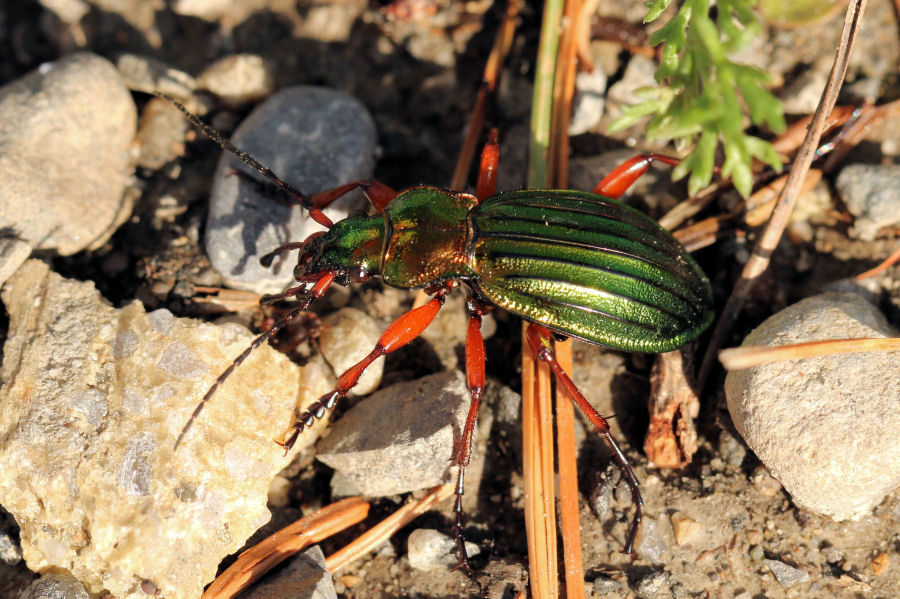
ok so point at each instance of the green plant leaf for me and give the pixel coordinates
(702, 95)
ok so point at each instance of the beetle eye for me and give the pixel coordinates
(358, 274)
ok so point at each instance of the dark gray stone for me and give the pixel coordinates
(305, 577)
(313, 138)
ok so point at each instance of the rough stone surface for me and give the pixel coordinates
(92, 400)
(872, 195)
(161, 133)
(401, 438)
(589, 101)
(638, 74)
(145, 74)
(65, 133)
(826, 427)
(347, 337)
(54, 586)
(429, 549)
(305, 577)
(315, 139)
(787, 576)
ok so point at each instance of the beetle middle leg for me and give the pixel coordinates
(400, 332)
(539, 339)
(475, 377)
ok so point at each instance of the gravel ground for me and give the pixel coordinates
(721, 527)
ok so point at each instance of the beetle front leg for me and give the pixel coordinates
(399, 333)
(539, 339)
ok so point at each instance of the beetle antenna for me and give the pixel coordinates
(316, 214)
(317, 291)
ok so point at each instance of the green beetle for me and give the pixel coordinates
(581, 264)
(571, 263)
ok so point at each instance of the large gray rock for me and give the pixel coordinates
(401, 438)
(313, 138)
(91, 402)
(65, 133)
(827, 427)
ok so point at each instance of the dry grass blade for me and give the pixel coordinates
(889, 261)
(568, 482)
(270, 552)
(762, 253)
(575, 20)
(739, 358)
(537, 471)
(537, 427)
(499, 51)
(385, 529)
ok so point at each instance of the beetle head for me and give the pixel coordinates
(351, 249)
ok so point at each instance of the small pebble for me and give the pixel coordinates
(651, 584)
(832, 554)
(872, 195)
(787, 576)
(765, 483)
(429, 549)
(161, 133)
(54, 586)
(313, 138)
(587, 106)
(757, 553)
(880, 563)
(238, 79)
(686, 529)
(305, 576)
(10, 552)
(603, 585)
(145, 74)
(639, 73)
(347, 336)
(650, 544)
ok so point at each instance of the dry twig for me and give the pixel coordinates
(759, 260)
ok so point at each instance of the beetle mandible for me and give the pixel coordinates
(570, 263)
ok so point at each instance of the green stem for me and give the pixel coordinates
(542, 97)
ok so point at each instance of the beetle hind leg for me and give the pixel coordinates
(539, 339)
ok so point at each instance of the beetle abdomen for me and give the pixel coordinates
(589, 267)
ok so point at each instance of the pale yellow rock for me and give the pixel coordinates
(91, 402)
(686, 529)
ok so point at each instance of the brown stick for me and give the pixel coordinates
(762, 253)
(385, 529)
(267, 554)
